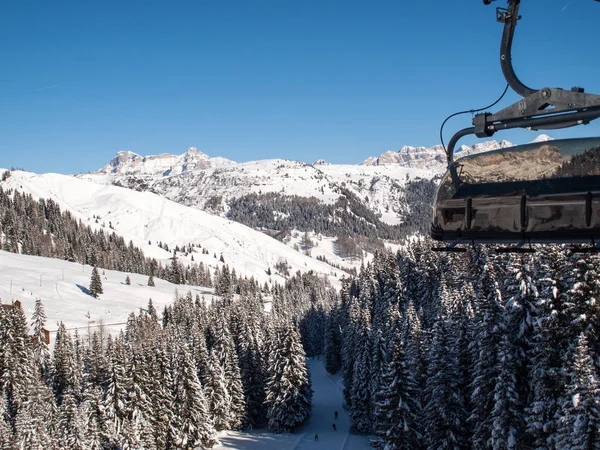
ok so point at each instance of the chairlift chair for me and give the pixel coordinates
(543, 192)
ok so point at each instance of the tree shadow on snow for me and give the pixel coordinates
(83, 289)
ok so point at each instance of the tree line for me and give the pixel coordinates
(471, 351)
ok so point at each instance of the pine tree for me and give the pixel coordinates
(397, 406)
(95, 283)
(579, 415)
(333, 342)
(6, 438)
(444, 410)
(361, 413)
(67, 371)
(41, 353)
(194, 424)
(289, 394)
(218, 397)
(507, 426)
(33, 423)
(488, 336)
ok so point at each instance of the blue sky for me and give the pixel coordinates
(255, 79)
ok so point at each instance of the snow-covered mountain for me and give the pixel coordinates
(147, 219)
(126, 162)
(434, 158)
(197, 180)
(211, 188)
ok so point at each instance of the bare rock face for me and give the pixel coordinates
(166, 164)
(429, 157)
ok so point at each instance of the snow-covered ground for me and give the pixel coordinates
(144, 217)
(62, 287)
(327, 399)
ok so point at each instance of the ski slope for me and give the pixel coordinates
(62, 286)
(147, 219)
(327, 399)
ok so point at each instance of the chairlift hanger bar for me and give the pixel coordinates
(542, 109)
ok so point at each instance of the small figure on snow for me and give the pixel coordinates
(316, 437)
(336, 415)
(334, 427)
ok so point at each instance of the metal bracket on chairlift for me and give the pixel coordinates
(543, 109)
(519, 248)
(593, 248)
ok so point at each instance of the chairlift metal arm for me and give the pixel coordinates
(509, 16)
(547, 108)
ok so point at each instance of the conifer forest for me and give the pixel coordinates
(459, 351)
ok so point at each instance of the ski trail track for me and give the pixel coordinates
(327, 398)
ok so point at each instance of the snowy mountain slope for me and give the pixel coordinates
(144, 217)
(380, 187)
(61, 286)
(194, 179)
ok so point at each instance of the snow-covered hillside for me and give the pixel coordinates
(194, 179)
(62, 286)
(380, 187)
(147, 219)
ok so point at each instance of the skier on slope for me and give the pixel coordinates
(336, 415)
(334, 427)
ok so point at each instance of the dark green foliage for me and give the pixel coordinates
(95, 283)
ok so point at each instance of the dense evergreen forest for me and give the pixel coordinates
(163, 383)
(475, 351)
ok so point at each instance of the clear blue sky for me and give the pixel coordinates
(255, 79)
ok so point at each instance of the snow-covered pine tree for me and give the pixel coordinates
(362, 408)
(444, 411)
(194, 425)
(15, 366)
(289, 393)
(218, 398)
(579, 415)
(545, 354)
(397, 408)
(67, 376)
(34, 422)
(71, 426)
(162, 397)
(507, 417)
(116, 399)
(488, 335)
(227, 356)
(41, 353)
(252, 372)
(333, 341)
(6, 437)
(95, 283)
